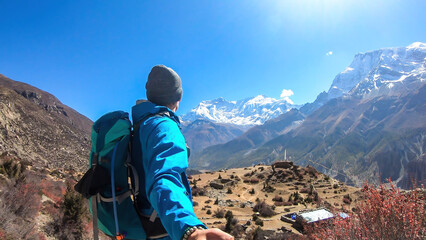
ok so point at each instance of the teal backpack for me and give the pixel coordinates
(111, 184)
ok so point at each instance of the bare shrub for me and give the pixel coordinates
(259, 222)
(264, 209)
(238, 231)
(219, 213)
(19, 205)
(198, 191)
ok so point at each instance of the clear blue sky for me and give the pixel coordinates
(95, 55)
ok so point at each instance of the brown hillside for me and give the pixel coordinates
(42, 144)
(36, 127)
(239, 190)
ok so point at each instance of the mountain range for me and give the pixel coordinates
(370, 125)
(246, 113)
(218, 121)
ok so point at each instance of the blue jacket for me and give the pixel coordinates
(160, 150)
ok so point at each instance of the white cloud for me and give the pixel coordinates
(329, 53)
(286, 94)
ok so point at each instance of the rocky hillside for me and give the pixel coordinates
(36, 127)
(43, 145)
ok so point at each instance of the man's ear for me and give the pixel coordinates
(177, 105)
(173, 106)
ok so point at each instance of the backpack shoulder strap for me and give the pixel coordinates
(131, 169)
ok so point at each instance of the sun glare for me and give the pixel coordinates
(300, 14)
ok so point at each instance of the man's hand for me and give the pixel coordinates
(210, 234)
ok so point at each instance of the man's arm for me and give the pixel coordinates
(166, 156)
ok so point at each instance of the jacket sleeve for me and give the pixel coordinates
(166, 157)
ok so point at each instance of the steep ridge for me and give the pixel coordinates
(48, 102)
(38, 128)
(387, 71)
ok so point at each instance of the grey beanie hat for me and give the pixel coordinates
(163, 86)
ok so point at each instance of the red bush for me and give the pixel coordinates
(386, 213)
(52, 189)
(24, 200)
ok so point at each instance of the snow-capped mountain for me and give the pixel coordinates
(370, 126)
(387, 71)
(247, 112)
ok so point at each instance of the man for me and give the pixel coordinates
(159, 149)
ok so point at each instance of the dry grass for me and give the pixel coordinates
(241, 202)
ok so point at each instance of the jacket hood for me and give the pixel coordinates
(144, 109)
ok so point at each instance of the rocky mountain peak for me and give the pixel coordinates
(387, 71)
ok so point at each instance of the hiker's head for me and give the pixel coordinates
(164, 87)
